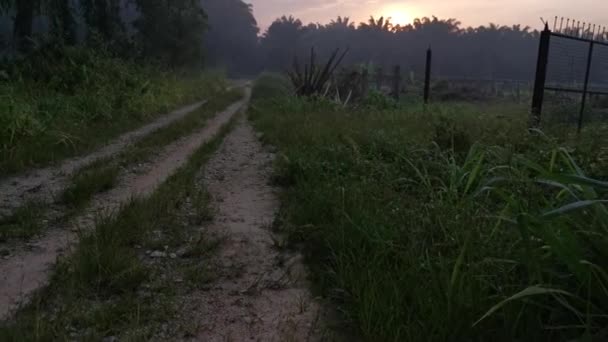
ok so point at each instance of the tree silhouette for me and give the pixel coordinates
(172, 31)
(232, 34)
(103, 17)
(63, 22)
(377, 25)
(483, 52)
(22, 26)
(280, 42)
(341, 23)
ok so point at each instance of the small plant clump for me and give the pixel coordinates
(314, 79)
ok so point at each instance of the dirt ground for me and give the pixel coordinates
(29, 265)
(43, 184)
(260, 292)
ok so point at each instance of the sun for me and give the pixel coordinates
(399, 14)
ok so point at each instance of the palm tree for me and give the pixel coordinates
(341, 22)
(377, 25)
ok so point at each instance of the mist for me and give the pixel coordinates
(232, 41)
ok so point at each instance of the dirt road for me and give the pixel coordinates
(42, 185)
(29, 266)
(262, 293)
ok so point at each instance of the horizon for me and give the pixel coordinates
(473, 13)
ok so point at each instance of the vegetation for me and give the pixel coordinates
(159, 29)
(172, 31)
(102, 175)
(62, 102)
(314, 79)
(23, 223)
(444, 222)
(106, 288)
(88, 182)
(226, 44)
(484, 52)
(448, 224)
(93, 73)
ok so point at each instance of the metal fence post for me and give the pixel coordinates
(427, 75)
(541, 77)
(397, 82)
(379, 78)
(518, 92)
(586, 88)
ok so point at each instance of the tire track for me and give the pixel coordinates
(43, 184)
(29, 268)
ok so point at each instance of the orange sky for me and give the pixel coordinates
(470, 12)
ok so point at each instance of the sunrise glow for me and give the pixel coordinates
(399, 14)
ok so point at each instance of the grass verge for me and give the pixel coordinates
(450, 224)
(109, 287)
(60, 103)
(102, 175)
(88, 182)
(24, 223)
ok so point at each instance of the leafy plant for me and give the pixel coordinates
(314, 79)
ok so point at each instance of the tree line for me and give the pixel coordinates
(484, 52)
(168, 31)
(224, 33)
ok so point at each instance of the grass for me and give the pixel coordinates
(88, 182)
(23, 223)
(188, 125)
(60, 103)
(102, 175)
(106, 287)
(450, 223)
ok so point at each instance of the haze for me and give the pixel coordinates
(469, 12)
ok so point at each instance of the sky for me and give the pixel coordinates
(469, 12)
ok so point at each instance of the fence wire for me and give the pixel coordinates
(598, 79)
(571, 98)
(567, 64)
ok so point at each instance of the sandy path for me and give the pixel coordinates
(29, 268)
(43, 184)
(261, 293)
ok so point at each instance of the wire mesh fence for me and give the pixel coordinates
(571, 83)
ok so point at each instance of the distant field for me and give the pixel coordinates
(452, 223)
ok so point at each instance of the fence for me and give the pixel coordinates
(442, 87)
(357, 83)
(572, 61)
(394, 82)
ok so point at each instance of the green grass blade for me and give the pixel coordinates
(572, 207)
(529, 292)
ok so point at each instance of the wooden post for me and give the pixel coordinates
(427, 75)
(541, 77)
(397, 82)
(379, 78)
(364, 82)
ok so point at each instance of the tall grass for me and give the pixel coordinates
(58, 103)
(450, 225)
